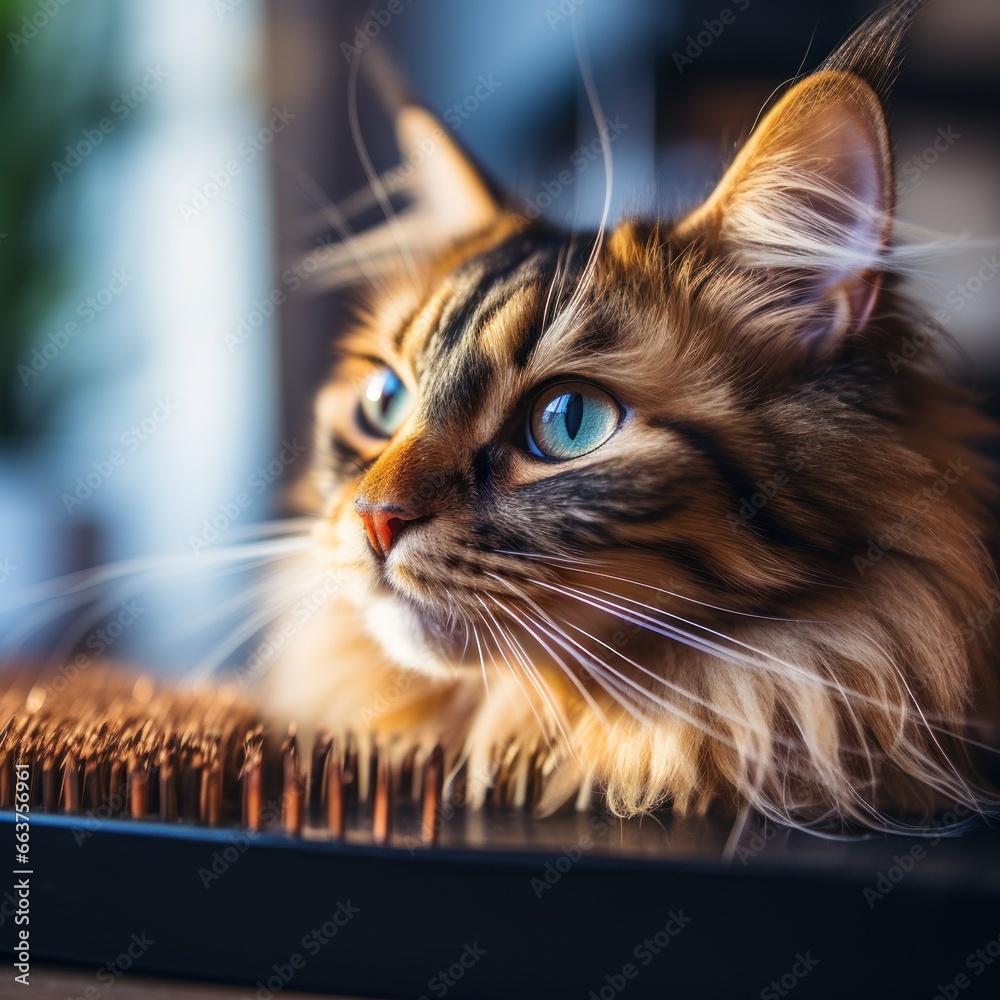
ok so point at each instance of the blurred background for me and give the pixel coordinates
(167, 169)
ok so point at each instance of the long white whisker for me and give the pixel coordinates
(272, 583)
(576, 563)
(609, 685)
(769, 658)
(63, 587)
(217, 655)
(527, 626)
(602, 130)
(392, 220)
(530, 701)
(939, 781)
(532, 671)
(331, 215)
(670, 686)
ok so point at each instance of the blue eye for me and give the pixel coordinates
(571, 419)
(385, 403)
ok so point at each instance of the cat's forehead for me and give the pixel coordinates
(495, 292)
(478, 322)
(487, 327)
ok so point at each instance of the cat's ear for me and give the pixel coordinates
(444, 199)
(808, 200)
(448, 190)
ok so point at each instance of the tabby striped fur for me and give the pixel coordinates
(757, 591)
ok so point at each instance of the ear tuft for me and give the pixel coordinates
(872, 51)
(809, 200)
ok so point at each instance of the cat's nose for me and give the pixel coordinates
(383, 523)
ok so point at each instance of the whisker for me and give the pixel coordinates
(532, 671)
(216, 656)
(586, 277)
(587, 696)
(332, 215)
(247, 597)
(576, 563)
(610, 686)
(227, 556)
(770, 658)
(391, 218)
(934, 776)
(531, 704)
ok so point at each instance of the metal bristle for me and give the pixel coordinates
(109, 746)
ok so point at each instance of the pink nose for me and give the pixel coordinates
(383, 524)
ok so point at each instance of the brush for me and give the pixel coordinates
(331, 861)
(114, 746)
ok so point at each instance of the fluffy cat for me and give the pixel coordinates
(661, 505)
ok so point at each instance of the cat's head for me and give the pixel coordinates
(637, 458)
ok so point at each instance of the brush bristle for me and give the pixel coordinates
(111, 746)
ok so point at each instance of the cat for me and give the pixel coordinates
(667, 505)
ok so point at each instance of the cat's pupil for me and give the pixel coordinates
(570, 408)
(574, 413)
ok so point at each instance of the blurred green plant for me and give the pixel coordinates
(56, 78)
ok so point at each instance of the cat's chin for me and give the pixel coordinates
(411, 639)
